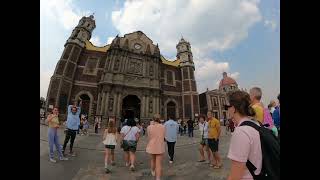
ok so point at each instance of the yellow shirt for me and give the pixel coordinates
(54, 122)
(259, 112)
(213, 126)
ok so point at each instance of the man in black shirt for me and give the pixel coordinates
(190, 127)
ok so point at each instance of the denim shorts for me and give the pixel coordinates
(129, 146)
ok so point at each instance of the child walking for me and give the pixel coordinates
(85, 126)
(110, 142)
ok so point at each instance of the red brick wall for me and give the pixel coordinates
(186, 86)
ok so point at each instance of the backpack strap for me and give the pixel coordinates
(251, 168)
(249, 165)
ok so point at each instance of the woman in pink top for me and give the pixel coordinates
(245, 141)
(156, 145)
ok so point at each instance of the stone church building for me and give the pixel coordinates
(215, 100)
(127, 78)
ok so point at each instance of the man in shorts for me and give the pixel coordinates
(214, 131)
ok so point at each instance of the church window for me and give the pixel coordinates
(170, 78)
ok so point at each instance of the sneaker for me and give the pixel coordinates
(53, 160)
(153, 173)
(170, 162)
(132, 168)
(127, 164)
(63, 159)
(72, 154)
(108, 171)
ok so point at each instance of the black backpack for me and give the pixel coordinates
(270, 148)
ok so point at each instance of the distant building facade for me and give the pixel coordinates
(215, 100)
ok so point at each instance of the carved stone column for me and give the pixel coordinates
(106, 102)
(102, 109)
(98, 103)
(118, 105)
(143, 102)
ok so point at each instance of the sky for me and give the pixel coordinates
(240, 37)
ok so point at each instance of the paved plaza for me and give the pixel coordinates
(89, 163)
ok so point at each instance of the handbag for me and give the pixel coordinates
(121, 144)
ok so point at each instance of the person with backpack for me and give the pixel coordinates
(254, 151)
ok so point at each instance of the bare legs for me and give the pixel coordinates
(209, 153)
(126, 157)
(132, 156)
(156, 165)
(112, 156)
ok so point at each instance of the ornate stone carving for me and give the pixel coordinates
(116, 65)
(110, 103)
(150, 106)
(135, 66)
(151, 70)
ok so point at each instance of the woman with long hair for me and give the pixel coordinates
(130, 137)
(53, 123)
(110, 142)
(156, 145)
(245, 141)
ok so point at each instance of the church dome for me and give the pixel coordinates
(227, 81)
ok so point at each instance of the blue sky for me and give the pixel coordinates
(239, 37)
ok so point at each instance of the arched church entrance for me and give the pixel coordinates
(131, 106)
(171, 110)
(85, 108)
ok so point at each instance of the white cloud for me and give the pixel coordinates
(57, 18)
(235, 75)
(62, 11)
(44, 81)
(95, 40)
(208, 25)
(208, 73)
(271, 24)
(110, 40)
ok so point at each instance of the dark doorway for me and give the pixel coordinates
(85, 104)
(131, 107)
(171, 110)
(224, 115)
(215, 114)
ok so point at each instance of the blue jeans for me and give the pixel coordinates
(54, 140)
(190, 132)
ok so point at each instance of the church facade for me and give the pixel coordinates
(127, 78)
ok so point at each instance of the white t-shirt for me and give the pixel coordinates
(245, 145)
(203, 129)
(130, 136)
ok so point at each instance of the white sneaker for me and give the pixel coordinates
(153, 173)
(53, 160)
(170, 162)
(63, 159)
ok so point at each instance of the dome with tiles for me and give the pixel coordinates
(227, 83)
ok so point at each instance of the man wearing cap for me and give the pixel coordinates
(73, 122)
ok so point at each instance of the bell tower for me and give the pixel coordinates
(61, 82)
(190, 96)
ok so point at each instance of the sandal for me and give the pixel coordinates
(217, 167)
(201, 160)
(212, 165)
